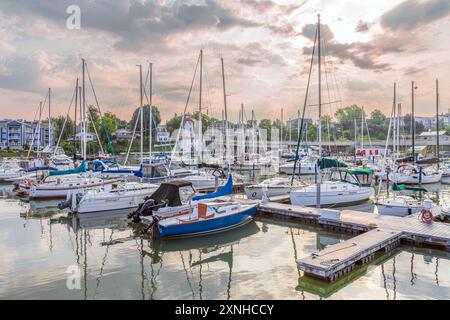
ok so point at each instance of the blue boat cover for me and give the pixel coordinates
(223, 191)
(33, 169)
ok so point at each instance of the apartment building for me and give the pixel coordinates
(15, 134)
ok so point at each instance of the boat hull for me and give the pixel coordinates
(342, 198)
(304, 169)
(207, 226)
(397, 211)
(122, 202)
(38, 192)
(256, 192)
(414, 178)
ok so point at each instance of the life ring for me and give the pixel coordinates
(426, 216)
(27, 183)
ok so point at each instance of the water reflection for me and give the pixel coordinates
(257, 260)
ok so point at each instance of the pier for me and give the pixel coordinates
(375, 234)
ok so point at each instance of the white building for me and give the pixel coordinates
(162, 135)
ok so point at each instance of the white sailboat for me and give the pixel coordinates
(61, 186)
(399, 205)
(327, 193)
(10, 170)
(119, 196)
(272, 187)
(332, 193)
(306, 166)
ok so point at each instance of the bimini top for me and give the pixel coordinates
(326, 163)
(366, 171)
(170, 192)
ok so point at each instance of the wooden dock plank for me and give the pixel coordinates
(341, 255)
(385, 232)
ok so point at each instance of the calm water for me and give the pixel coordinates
(256, 261)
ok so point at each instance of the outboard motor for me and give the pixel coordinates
(68, 203)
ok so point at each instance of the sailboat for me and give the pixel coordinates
(122, 195)
(399, 204)
(334, 192)
(62, 186)
(306, 166)
(414, 173)
(271, 187)
(205, 180)
(174, 211)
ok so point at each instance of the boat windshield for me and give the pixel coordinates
(344, 176)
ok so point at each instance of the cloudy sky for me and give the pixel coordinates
(265, 44)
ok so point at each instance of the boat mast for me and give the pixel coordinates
(362, 128)
(75, 122)
(83, 112)
(200, 129)
(141, 113)
(400, 121)
(39, 126)
(319, 180)
(437, 120)
(225, 109)
(281, 129)
(290, 134)
(395, 115)
(394, 132)
(413, 122)
(49, 115)
(150, 124)
(356, 139)
(253, 132)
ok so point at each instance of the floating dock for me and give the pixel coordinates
(375, 233)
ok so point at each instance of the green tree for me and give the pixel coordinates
(266, 125)
(58, 124)
(173, 123)
(206, 120)
(156, 119)
(419, 127)
(378, 125)
(346, 116)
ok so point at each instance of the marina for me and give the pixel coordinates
(265, 170)
(266, 251)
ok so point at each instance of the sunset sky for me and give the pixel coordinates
(265, 45)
